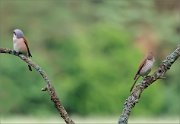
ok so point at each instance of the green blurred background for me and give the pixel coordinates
(90, 50)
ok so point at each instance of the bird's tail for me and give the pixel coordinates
(30, 69)
(136, 78)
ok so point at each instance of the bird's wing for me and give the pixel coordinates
(29, 53)
(139, 69)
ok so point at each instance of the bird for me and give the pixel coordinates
(144, 68)
(20, 44)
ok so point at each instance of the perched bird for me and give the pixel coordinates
(20, 44)
(144, 68)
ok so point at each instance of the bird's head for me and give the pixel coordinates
(150, 56)
(17, 33)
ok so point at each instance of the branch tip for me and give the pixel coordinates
(52, 92)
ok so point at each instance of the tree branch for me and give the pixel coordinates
(147, 81)
(48, 87)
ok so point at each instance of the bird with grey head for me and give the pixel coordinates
(20, 44)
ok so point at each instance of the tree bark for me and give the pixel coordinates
(48, 87)
(134, 97)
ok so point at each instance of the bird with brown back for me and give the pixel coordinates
(144, 68)
(20, 44)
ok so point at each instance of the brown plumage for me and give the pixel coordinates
(20, 44)
(144, 68)
(29, 53)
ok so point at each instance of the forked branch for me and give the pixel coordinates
(48, 87)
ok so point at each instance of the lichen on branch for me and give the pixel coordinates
(134, 97)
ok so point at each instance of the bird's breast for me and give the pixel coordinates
(20, 46)
(146, 68)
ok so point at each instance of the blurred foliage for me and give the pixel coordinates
(88, 49)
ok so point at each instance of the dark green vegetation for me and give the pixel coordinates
(89, 50)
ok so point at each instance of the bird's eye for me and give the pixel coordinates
(14, 33)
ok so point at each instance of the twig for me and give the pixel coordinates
(136, 93)
(49, 86)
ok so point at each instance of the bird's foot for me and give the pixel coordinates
(16, 53)
(19, 53)
(146, 77)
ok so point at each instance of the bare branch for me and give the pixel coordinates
(49, 86)
(147, 81)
